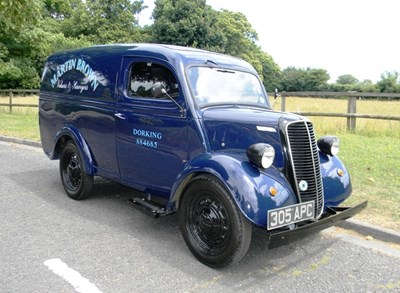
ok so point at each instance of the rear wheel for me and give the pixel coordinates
(214, 229)
(76, 183)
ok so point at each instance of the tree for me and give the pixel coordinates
(32, 30)
(310, 79)
(195, 24)
(345, 85)
(25, 44)
(186, 23)
(16, 67)
(367, 86)
(238, 37)
(389, 82)
(104, 21)
(17, 13)
(347, 79)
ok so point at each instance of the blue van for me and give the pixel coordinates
(195, 133)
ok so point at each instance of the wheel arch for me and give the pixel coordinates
(67, 134)
(243, 182)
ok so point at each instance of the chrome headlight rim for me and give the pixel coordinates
(329, 145)
(261, 154)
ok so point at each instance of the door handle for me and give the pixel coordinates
(120, 116)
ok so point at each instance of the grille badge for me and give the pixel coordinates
(303, 185)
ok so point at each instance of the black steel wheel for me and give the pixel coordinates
(76, 183)
(214, 229)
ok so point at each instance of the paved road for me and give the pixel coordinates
(50, 243)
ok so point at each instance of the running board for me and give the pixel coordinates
(150, 208)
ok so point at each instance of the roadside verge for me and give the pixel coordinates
(20, 141)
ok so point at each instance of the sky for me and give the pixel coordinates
(356, 37)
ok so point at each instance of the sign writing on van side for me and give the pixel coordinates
(147, 138)
(75, 64)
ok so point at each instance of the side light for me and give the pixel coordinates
(329, 145)
(261, 154)
(340, 172)
(273, 191)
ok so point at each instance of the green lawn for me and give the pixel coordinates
(23, 121)
(371, 154)
(374, 166)
(20, 125)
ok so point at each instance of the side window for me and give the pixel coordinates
(145, 74)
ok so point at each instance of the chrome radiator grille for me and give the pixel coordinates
(303, 153)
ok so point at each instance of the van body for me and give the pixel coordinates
(193, 131)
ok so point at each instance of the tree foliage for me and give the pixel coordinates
(104, 21)
(347, 79)
(196, 24)
(299, 79)
(239, 39)
(30, 30)
(17, 13)
(348, 83)
(389, 82)
(186, 23)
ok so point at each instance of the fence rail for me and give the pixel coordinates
(351, 114)
(19, 91)
(352, 97)
(10, 93)
(340, 94)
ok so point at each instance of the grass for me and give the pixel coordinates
(23, 121)
(371, 154)
(374, 165)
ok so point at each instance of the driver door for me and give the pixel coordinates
(152, 142)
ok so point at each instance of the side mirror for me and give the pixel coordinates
(158, 90)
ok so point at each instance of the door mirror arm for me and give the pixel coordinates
(158, 90)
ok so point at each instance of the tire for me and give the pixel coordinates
(76, 183)
(213, 228)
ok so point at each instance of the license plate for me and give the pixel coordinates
(291, 214)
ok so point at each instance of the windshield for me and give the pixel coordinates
(221, 86)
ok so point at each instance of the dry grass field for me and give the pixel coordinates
(371, 154)
(324, 125)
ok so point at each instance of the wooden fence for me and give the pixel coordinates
(17, 92)
(352, 98)
(351, 114)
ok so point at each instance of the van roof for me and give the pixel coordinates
(170, 53)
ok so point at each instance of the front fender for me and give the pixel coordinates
(68, 132)
(248, 185)
(336, 188)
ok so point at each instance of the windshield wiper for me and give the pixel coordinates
(211, 62)
(226, 71)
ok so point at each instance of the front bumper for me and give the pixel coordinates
(333, 215)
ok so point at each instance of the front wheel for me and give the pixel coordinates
(76, 183)
(214, 229)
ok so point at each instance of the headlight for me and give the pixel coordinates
(329, 145)
(261, 154)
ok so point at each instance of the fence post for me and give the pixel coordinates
(283, 103)
(351, 109)
(10, 97)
